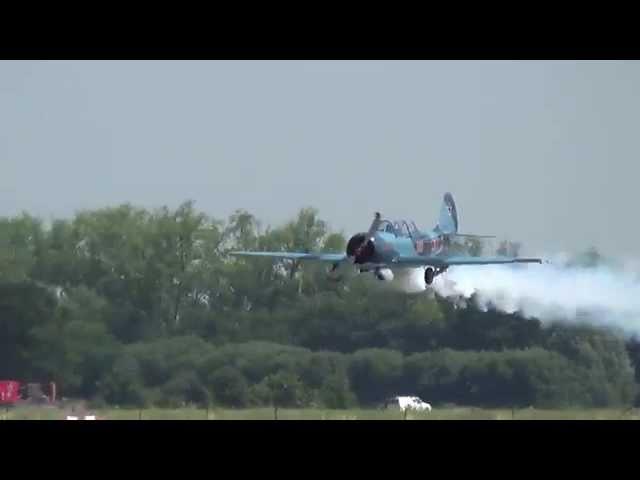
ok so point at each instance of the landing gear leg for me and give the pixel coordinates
(333, 273)
(379, 275)
(440, 271)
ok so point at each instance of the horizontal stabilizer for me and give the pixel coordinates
(470, 235)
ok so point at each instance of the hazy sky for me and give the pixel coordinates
(541, 152)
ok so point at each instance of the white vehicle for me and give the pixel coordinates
(86, 417)
(411, 403)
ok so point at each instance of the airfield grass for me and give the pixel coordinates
(49, 413)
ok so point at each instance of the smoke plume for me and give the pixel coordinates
(601, 296)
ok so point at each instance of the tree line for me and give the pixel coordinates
(130, 306)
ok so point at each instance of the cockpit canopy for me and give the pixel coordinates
(399, 228)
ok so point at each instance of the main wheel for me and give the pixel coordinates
(428, 275)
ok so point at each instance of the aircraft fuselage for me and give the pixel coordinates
(388, 245)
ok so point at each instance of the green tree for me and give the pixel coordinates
(335, 392)
(124, 385)
(21, 241)
(229, 386)
(24, 306)
(74, 349)
(286, 390)
(375, 374)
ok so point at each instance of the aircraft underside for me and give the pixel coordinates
(429, 274)
(386, 274)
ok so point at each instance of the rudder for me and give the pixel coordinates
(448, 221)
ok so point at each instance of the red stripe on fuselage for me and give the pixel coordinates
(429, 246)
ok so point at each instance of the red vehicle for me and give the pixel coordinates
(13, 392)
(9, 392)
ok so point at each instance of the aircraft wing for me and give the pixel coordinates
(418, 260)
(319, 257)
(488, 260)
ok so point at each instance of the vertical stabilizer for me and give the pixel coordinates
(448, 221)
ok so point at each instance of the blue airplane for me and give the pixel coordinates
(400, 245)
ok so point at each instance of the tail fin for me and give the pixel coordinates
(448, 221)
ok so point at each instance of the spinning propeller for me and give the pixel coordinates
(370, 236)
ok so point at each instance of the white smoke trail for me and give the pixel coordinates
(602, 296)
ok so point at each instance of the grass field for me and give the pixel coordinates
(45, 413)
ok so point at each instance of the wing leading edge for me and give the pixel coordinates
(319, 257)
(417, 260)
(406, 261)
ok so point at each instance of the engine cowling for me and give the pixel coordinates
(360, 249)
